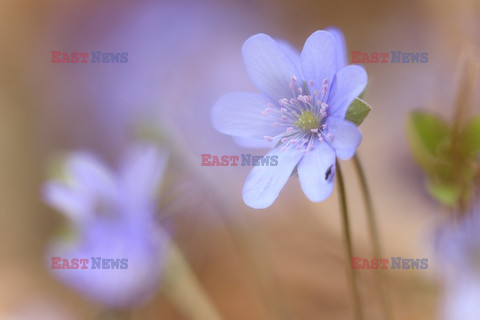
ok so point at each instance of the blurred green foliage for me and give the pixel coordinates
(447, 154)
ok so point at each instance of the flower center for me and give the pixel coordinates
(307, 121)
(302, 115)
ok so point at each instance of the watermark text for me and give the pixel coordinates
(93, 263)
(393, 263)
(245, 159)
(389, 57)
(89, 57)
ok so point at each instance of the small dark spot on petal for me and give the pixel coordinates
(329, 172)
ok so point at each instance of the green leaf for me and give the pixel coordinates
(427, 134)
(447, 194)
(357, 111)
(430, 129)
(471, 136)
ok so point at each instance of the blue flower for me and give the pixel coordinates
(300, 111)
(111, 216)
(458, 252)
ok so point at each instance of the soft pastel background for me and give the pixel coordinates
(183, 55)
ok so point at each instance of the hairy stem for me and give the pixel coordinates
(348, 244)
(372, 225)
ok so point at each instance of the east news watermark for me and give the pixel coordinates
(93, 263)
(243, 160)
(389, 57)
(395, 263)
(96, 56)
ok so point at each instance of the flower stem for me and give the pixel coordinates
(348, 243)
(372, 225)
(184, 291)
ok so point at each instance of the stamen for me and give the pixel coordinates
(304, 113)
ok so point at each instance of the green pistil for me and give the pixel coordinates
(307, 121)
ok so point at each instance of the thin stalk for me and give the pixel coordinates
(372, 225)
(348, 244)
(184, 291)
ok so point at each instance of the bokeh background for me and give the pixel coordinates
(287, 259)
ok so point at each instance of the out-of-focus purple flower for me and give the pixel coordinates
(112, 217)
(164, 40)
(301, 111)
(458, 249)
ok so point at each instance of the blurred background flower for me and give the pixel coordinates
(458, 248)
(111, 216)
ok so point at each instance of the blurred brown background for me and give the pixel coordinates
(182, 56)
